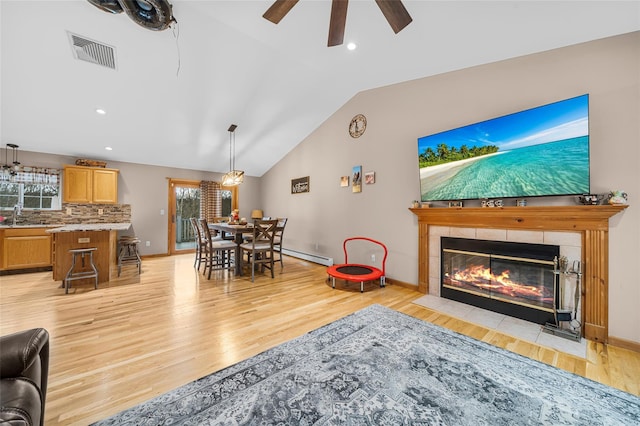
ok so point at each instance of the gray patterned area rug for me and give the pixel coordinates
(381, 367)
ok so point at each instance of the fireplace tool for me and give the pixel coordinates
(572, 330)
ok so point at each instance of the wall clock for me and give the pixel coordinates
(357, 126)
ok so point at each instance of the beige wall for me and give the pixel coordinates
(608, 69)
(146, 189)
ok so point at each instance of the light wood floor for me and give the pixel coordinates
(140, 336)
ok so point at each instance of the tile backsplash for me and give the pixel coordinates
(77, 213)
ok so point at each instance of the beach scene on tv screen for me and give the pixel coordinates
(542, 151)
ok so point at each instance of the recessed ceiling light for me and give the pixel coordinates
(101, 111)
(108, 148)
(352, 46)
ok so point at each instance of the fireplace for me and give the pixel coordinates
(512, 278)
(590, 222)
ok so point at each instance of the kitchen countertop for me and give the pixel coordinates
(4, 226)
(79, 227)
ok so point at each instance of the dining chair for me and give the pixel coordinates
(222, 235)
(220, 253)
(260, 249)
(277, 240)
(201, 243)
(249, 237)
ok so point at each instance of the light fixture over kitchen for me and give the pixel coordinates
(234, 177)
(14, 166)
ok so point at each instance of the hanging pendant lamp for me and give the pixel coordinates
(234, 177)
(14, 167)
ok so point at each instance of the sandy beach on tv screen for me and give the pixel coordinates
(433, 176)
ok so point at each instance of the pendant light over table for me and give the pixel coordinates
(234, 177)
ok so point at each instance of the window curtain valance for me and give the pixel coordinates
(31, 175)
(210, 200)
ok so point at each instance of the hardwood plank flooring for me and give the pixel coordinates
(141, 335)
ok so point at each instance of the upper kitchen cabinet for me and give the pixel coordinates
(90, 185)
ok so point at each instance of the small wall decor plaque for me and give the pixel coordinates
(344, 181)
(300, 185)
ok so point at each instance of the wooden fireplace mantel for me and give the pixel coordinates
(592, 222)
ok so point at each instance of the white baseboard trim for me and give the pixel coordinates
(315, 258)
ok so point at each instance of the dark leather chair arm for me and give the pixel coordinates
(24, 359)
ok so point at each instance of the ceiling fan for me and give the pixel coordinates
(152, 14)
(393, 10)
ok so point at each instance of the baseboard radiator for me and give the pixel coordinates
(322, 260)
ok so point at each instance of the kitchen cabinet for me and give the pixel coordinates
(23, 248)
(89, 185)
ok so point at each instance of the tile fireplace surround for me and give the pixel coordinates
(591, 223)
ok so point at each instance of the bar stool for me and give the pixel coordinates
(71, 275)
(128, 252)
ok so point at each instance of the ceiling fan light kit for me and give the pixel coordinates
(393, 10)
(154, 15)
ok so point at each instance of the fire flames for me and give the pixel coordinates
(481, 277)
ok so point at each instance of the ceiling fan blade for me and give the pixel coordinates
(396, 14)
(278, 10)
(338, 22)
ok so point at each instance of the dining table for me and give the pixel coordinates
(237, 231)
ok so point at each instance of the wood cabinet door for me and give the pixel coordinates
(105, 186)
(77, 185)
(29, 248)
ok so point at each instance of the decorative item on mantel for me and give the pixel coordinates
(617, 197)
(590, 199)
(492, 203)
(90, 163)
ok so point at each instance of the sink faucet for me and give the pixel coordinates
(17, 211)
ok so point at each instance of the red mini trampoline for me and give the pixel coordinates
(356, 272)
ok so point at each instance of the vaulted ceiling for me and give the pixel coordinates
(175, 92)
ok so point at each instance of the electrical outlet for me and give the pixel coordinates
(161, 212)
(148, 244)
(100, 212)
(373, 257)
(68, 210)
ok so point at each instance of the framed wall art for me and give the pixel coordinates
(344, 181)
(369, 178)
(300, 185)
(356, 179)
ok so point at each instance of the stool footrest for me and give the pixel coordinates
(81, 275)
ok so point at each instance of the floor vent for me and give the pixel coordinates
(322, 260)
(92, 51)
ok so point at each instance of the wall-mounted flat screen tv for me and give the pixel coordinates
(543, 151)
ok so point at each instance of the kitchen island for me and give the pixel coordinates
(102, 236)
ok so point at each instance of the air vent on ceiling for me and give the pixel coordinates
(92, 51)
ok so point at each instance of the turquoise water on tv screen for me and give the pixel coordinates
(555, 168)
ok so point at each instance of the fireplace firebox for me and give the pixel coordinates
(515, 279)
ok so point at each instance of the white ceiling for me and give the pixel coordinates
(175, 92)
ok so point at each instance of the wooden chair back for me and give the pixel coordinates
(264, 231)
